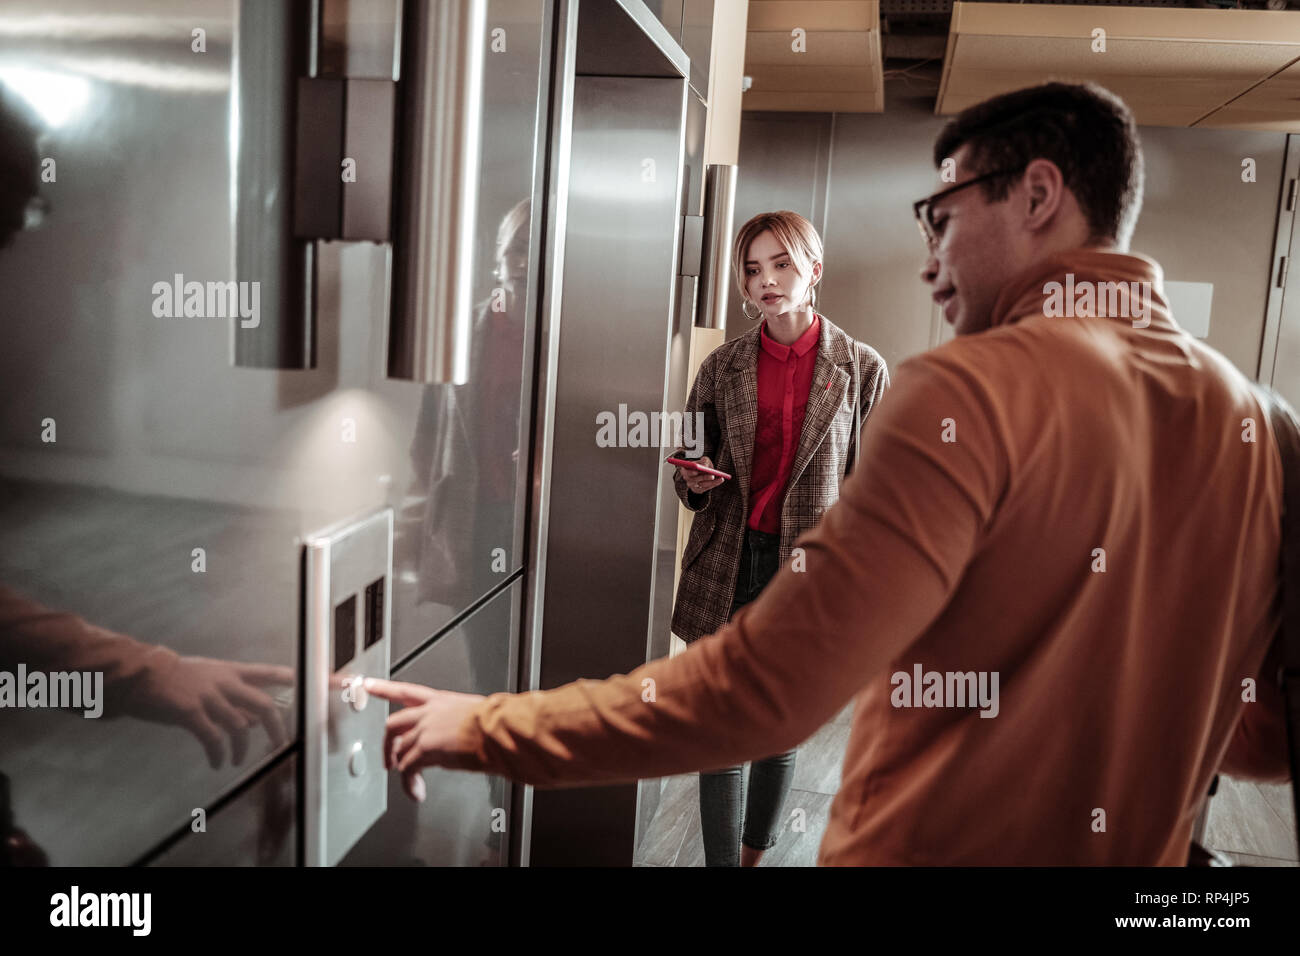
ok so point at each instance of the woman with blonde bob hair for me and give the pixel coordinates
(782, 406)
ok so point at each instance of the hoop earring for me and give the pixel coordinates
(744, 307)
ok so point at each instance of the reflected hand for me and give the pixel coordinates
(697, 481)
(207, 696)
(424, 732)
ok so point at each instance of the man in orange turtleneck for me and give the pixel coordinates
(1051, 585)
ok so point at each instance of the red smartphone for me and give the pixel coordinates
(696, 466)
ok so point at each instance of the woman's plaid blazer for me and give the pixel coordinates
(726, 392)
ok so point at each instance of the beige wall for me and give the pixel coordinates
(1203, 224)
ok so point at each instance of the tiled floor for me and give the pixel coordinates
(673, 838)
(1252, 823)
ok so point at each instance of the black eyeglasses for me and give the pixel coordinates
(921, 208)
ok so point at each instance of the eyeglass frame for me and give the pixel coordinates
(924, 223)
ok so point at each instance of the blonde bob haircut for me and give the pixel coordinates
(795, 234)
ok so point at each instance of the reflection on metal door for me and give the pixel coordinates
(156, 530)
(620, 287)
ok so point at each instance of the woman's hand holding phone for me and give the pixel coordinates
(697, 481)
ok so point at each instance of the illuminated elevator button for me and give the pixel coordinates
(356, 695)
(357, 762)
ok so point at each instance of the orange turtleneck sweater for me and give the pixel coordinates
(1063, 507)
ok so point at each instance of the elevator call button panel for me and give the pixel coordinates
(348, 572)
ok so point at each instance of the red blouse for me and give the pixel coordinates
(785, 374)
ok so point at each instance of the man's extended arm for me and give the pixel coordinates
(879, 567)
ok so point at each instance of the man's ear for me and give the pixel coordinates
(1044, 191)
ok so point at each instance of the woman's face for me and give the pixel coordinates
(771, 280)
(512, 263)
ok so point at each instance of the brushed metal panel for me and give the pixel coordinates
(1284, 371)
(623, 38)
(103, 792)
(669, 13)
(359, 38)
(368, 143)
(164, 448)
(464, 819)
(1288, 198)
(343, 120)
(272, 50)
(715, 271)
(442, 100)
(258, 827)
(460, 515)
(625, 196)
(317, 186)
(560, 53)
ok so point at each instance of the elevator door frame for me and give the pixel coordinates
(544, 825)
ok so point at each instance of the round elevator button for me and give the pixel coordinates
(357, 762)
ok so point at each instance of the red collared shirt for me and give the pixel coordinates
(785, 374)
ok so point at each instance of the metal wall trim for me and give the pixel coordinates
(1282, 248)
(653, 28)
(267, 766)
(436, 192)
(465, 614)
(272, 45)
(552, 181)
(716, 266)
(664, 475)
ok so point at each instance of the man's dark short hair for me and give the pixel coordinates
(20, 165)
(1086, 130)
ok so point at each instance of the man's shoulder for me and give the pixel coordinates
(1003, 377)
(1030, 351)
(984, 355)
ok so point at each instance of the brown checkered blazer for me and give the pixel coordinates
(726, 391)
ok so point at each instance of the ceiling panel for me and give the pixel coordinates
(839, 68)
(842, 49)
(842, 15)
(801, 102)
(1272, 105)
(1173, 66)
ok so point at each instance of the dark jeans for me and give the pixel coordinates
(722, 796)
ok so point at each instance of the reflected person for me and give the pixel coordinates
(465, 459)
(215, 700)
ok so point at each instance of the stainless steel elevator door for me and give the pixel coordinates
(164, 450)
(620, 288)
(464, 819)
